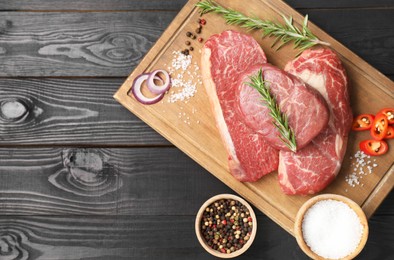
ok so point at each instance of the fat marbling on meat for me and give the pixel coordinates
(224, 58)
(304, 107)
(311, 169)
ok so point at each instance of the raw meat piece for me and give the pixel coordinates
(311, 169)
(224, 58)
(305, 108)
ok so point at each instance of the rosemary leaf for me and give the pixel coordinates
(280, 120)
(303, 38)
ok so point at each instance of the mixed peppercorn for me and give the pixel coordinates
(201, 22)
(226, 225)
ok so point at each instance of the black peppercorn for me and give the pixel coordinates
(189, 34)
(187, 42)
(226, 219)
(191, 48)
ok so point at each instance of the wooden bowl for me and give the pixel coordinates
(201, 239)
(304, 208)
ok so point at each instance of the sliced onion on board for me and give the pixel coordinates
(158, 89)
(136, 90)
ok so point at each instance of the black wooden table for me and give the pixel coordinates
(81, 177)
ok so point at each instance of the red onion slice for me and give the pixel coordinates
(136, 90)
(159, 89)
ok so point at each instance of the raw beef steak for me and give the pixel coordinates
(311, 169)
(224, 58)
(305, 108)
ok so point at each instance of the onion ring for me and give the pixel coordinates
(158, 89)
(136, 90)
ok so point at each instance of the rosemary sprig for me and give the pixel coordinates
(302, 38)
(279, 120)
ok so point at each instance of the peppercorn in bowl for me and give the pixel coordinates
(226, 226)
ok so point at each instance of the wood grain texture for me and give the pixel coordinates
(151, 237)
(77, 44)
(92, 181)
(337, 4)
(111, 44)
(87, 5)
(37, 5)
(69, 181)
(124, 237)
(68, 111)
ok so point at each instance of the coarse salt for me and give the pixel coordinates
(361, 168)
(331, 229)
(184, 77)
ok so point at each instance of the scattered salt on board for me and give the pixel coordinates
(331, 229)
(362, 165)
(184, 77)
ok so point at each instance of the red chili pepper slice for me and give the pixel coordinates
(373, 147)
(362, 122)
(379, 127)
(389, 112)
(390, 133)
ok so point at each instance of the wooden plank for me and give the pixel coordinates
(37, 5)
(77, 44)
(152, 237)
(126, 237)
(111, 44)
(202, 142)
(76, 181)
(90, 181)
(68, 112)
(307, 4)
(77, 5)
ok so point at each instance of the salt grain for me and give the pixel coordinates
(184, 77)
(360, 168)
(331, 229)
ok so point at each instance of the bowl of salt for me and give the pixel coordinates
(331, 226)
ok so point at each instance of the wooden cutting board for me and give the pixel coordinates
(191, 127)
